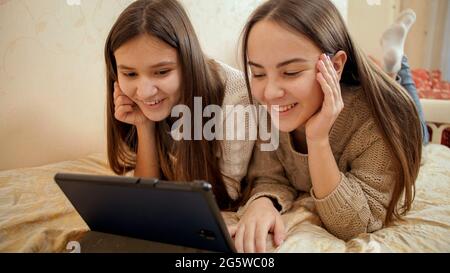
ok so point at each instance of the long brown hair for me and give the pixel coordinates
(185, 160)
(392, 108)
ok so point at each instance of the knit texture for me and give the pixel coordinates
(360, 201)
(235, 154)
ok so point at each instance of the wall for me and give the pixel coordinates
(425, 41)
(52, 73)
(219, 32)
(446, 47)
(368, 19)
(52, 90)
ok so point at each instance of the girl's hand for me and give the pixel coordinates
(126, 110)
(318, 126)
(261, 217)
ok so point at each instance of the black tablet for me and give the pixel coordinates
(178, 213)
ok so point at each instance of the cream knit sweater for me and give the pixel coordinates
(360, 202)
(236, 154)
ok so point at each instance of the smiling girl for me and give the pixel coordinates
(154, 62)
(350, 135)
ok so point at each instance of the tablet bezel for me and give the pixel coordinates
(202, 187)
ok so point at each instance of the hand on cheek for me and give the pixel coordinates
(126, 110)
(318, 126)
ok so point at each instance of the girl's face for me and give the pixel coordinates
(283, 74)
(150, 75)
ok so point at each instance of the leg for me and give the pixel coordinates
(405, 79)
(396, 64)
(393, 41)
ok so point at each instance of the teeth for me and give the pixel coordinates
(151, 103)
(283, 108)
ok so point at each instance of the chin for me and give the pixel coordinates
(289, 125)
(156, 117)
(285, 128)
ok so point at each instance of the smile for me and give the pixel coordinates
(153, 102)
(283, 108)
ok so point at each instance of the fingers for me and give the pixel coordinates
(279, 231)
(123, 100)
(117, 91)
(262, 231)
(119, 97)
(332, 71)
(330, 74)
(253, 228)
(328, 79)
(232, 230)
(249, 239)
(122, 111)
(326, 71)
(335, 77)
(124, 108)
(327, 92)
(239, 239)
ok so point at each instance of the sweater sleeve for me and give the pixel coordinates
(359, 203)
(267, 178)
(235, 154)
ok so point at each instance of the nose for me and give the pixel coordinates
(146, 89)
(273, 91)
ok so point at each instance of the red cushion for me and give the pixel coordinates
(430, 85)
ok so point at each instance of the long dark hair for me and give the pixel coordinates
(196, 159)
(393, 109)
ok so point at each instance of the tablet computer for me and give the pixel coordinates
(178, 213)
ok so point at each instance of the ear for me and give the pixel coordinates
(339, 60)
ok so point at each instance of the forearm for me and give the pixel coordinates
(325, 174)
(147, 160)
(281, 195)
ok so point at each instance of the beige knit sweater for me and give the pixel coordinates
(359, 203)
(236, 154)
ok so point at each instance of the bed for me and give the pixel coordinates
(35, 216)
(434, 94)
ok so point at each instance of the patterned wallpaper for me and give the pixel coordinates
(52, 78)
(52, 72)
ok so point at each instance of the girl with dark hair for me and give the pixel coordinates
(153, 63)
(350, 135)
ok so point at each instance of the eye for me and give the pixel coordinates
(163, 72)
(254, 75)
(292, 74)
(129, 74)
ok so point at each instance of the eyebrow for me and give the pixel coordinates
(296, 60)
(153, 66)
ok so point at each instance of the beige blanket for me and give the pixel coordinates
(35, 216)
